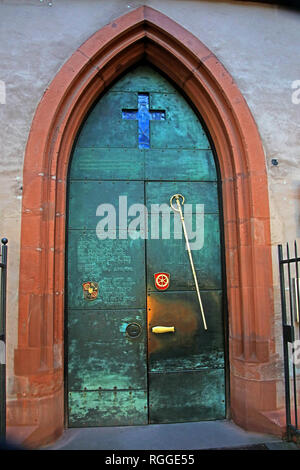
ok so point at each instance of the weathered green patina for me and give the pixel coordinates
(115, 378)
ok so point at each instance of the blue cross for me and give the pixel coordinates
(143, 115)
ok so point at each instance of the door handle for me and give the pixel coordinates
(163, 329)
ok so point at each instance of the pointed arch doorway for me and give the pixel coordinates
(138, 349)
(39, 359)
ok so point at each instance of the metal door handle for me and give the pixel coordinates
(163, 329)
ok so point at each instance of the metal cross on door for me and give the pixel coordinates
(143, 115)
(138, 351)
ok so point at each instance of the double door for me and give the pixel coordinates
(137, 349)
(123, 369)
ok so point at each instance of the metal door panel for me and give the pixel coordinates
(86, 196)
(189, 346)
(102, 355)
(118, 266)
(105, 126)
(108, 408)
(181, 129)
(170, 255)
(186, 396)
(184, 164)
(107, 164)
(201, 193)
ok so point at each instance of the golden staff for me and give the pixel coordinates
(177, 197)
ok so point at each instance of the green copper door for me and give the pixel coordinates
(138, 351)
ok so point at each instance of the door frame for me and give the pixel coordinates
(142, 34)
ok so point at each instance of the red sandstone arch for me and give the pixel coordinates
(142, 33)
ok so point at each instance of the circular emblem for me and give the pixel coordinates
(133, 330)
(162, 281)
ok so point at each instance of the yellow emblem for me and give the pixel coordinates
(90, 290)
